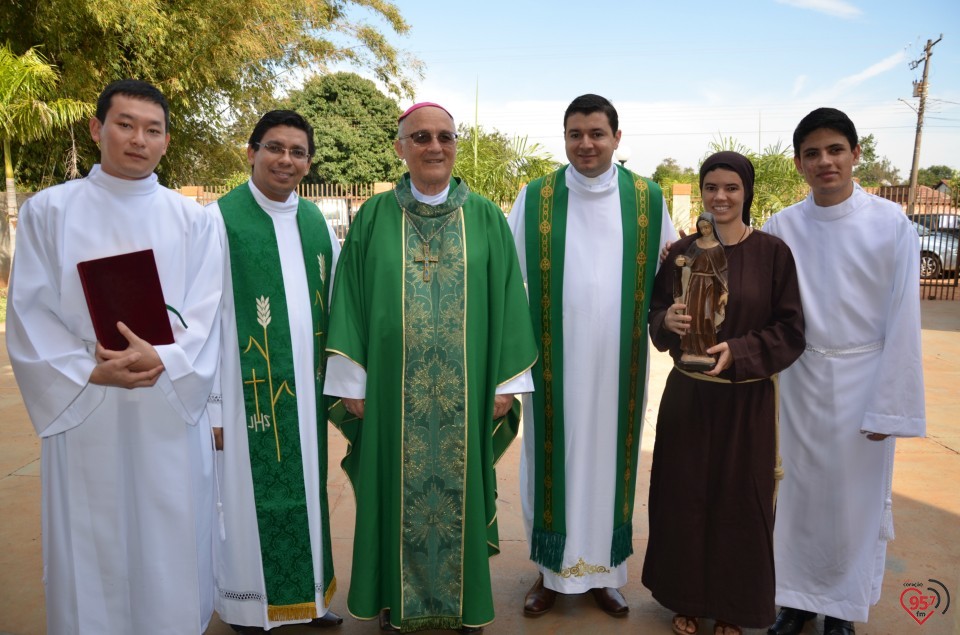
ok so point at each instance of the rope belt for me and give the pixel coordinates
(778, 462)
(843, 352)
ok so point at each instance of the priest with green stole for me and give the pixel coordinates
(430, 338)
(588, 237)
(273, 556)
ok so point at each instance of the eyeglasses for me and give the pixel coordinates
(297, 154)
(424, 138)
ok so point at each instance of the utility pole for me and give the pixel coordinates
(919, 90)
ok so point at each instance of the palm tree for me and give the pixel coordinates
(777, 183)
(28, 112)
(496, 166)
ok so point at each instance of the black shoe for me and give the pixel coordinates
(836, 626)
(385, 624)
(328, 620)
(790, 621)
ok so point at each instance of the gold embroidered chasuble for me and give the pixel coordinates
(429, 301)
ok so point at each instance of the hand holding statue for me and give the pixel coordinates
(700, 286)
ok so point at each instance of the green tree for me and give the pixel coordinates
(354, 125)
(29, 110)
(217, 61)
(496, 166)
(669, 172)
(954, 185)
(874, 170)
(776, 182)
(932, 176)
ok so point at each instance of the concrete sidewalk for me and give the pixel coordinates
(926, 507)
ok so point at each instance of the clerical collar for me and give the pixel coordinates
(130, 187)
(456, 196)
(288, 206)
(835, 212)
(594, 183)
(429, 199)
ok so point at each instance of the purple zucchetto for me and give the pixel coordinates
(422, 104)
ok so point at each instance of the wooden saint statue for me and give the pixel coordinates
(701, 284)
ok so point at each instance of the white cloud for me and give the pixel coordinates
(873, 70)
(837, 8)
(845, 84)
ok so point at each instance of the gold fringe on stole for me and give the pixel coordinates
(777, 462)
(331, 589)
(288, 612)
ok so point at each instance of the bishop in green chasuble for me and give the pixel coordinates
(429, 301)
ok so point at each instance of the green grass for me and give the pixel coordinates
(3, 305)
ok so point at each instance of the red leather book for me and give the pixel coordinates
(125, 288)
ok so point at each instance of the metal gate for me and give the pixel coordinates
(936, 218)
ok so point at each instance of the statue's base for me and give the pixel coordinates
(696, 363)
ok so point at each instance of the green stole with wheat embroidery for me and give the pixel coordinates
(545, 228)
(269, 390)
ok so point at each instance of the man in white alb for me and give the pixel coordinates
(273, 554)
(127, 455)
(857, 387)
(588, 237)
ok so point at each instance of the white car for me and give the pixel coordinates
(938, 252)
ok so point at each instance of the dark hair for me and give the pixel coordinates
(136, 89)
(829, 118)
(276, 118)
(589, 104)
(734, 162)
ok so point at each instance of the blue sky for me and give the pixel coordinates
(682, 74)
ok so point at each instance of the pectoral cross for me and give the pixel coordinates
(427, 260)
